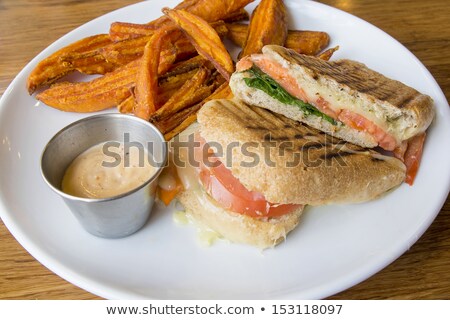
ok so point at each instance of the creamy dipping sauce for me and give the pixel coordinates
(126, 168)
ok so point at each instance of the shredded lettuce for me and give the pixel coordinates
(263, 82)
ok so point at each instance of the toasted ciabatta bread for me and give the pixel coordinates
(397, 109)
(294, 163)
(239, 228)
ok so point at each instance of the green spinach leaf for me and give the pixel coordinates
(265, 83)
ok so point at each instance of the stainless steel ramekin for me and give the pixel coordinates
(121, 215)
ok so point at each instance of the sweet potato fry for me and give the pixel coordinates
(170, 123)
(206, 9)
(214, 10)
(167, 58)
(187, 4)
(326, 55)
(191, 92)
(182, 126)
(134, 30)
(220, 27)
(181, 120)
(120, 31)
(205, 40)
(127, 105)
(222, 92)
(99, 94)
(87, 63)
(165, 94)
(51, 68)
(307, 42)
(168, 83)
(268, 25)
(124, 52)
(237, 33)
(146, 89)
(302, 41)
(166, 88)
(176, 44)
(185, 66)
(236, 16)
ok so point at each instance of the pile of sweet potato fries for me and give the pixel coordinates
(165, 70)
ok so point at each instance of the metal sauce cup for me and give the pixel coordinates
(121, 215)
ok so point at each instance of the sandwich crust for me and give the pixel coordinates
(292, 163)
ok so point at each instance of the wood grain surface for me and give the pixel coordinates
(29, 26)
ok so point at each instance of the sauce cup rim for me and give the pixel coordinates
(152, 178)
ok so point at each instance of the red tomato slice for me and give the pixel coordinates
(400, 151)
(229, 192)
(412, 157)
(357, 121)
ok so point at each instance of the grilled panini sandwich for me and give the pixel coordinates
(266, 166)
(343, 98)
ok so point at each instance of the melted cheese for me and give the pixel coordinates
(189, 178)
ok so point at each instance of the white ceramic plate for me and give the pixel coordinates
(333, 248)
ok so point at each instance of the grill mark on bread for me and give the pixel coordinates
(240, 115)
(309, 134)
(331, 155)
(406, 100)
(278, 128)
(258, 128)
(282, 138)
(354, 75)
(312, 145)
(366, 89)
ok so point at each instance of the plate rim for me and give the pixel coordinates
(111, 292)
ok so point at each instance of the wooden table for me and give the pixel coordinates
(27, 27)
